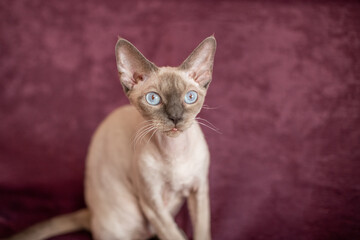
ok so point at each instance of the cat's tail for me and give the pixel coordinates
(79, 220)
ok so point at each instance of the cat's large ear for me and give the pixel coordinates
(131, 64)
(199, 64)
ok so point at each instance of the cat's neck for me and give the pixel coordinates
(174, 146)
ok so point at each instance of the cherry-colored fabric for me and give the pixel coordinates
(285, 96)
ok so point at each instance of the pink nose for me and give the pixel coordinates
(174, 129)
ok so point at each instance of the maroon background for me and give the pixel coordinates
(286, 93)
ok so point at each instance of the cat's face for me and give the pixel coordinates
(169, 97)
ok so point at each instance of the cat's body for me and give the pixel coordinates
(112, 188)
(146, 159)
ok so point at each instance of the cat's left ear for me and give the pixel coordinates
(199, 65)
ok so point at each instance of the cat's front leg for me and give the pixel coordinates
(161, 219)
(199, 208)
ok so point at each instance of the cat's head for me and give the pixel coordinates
(170, 97)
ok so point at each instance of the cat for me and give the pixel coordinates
(134, 186)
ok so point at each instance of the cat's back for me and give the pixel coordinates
(113, 137)
(108, 191)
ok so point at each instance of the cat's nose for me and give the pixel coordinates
(175, 119)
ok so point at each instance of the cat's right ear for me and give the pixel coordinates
(132, 66)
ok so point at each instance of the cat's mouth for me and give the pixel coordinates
(174, 132)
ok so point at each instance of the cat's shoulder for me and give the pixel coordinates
(124, 113)
(124, 117)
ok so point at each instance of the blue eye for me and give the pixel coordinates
(153, 98)
(190, 97)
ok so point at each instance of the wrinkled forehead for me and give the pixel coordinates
(170, 83)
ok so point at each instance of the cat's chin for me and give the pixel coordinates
(172, 133)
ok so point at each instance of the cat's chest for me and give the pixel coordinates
(181, 175)
(175, 165)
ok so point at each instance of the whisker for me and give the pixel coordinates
(145, 133)
(151, 122)
(143, 122)
(156, 129)
(215, 130)
(148, 130)
(142, 132)
(199, 118)
(207, 107)
(144, 127)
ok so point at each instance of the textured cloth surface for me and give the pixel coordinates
(285, 96)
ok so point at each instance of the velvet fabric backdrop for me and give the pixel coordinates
(285, 96)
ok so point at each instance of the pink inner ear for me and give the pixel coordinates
(137, 77)
(202, 78)
(192, 75)
(128, 82)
